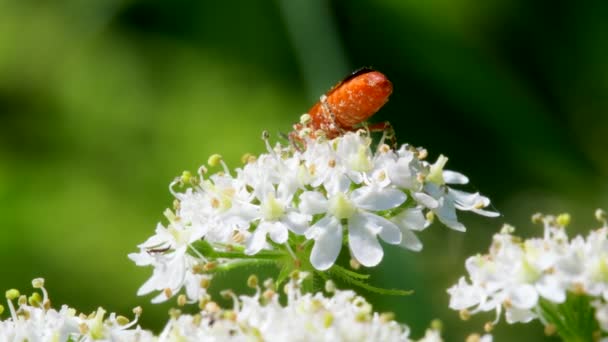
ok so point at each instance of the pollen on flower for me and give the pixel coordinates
(563, 220)
(238, 237)
(12, 294)
(305, 119)
(186, 177)
(600, 215)
(214, 160)
(248, 158)
(252, 281)
(168, 293)
(205, 283)
(38, 283)
(35, 299)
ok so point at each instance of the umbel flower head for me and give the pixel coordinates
(34, 320)
(339, 316)
(561, 281)
(298, 208)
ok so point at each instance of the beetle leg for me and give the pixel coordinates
(298, 143)
(388, 132)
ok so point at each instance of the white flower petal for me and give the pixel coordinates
(425, 200)
(411, 219)
(410, 241)
(550, 288)
(446, 213)
(363, 242)
(485, 213)
(515, 315)
(401, 174)
(374, 198)
(328, 242)
(453, 177)
(278, 232)
(257, 240)
(523, 296)
(296, 222)
(387, 230)
(464, 296)
(312, 202)
(339, 182)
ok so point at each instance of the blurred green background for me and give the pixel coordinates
(102, 103)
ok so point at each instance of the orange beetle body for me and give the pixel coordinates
(348, 104)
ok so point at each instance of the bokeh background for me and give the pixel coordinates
(102, 103)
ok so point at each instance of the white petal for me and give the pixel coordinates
(328, 243)
(523, 296)
(485, 213)
(296, 222)
(466, 200)
(446, 213)
(257, 240)
(278, 232)
(550, 288)
(338, 182)
(425, 200)
(312, 202)
(160, 298)
(453, 177)
(464, 296)
(401, 174)
(387, 230)
(514, 315)
(142, 258)
(372, 198)
(410, 241)
(411, 219)
(363, 242)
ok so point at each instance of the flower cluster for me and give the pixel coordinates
(35, 320)
(342, 316)
(305, 203)
(546, 278)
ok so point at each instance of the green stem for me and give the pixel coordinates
(241, 263)
(574, 319)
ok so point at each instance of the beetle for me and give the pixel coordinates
(346, 106)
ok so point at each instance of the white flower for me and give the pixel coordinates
(444, 200)
(409, 220)
(305, 317)
(516, 274)
(34, 321)
(280, 199)
(276, 213)
(356, 209)
(167, 253)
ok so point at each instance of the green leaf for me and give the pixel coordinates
(349, 273)
(283, 274)
(345, 276)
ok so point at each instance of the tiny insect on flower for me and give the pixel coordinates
(347, 105)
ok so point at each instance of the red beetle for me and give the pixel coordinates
(345, 106)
